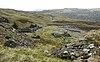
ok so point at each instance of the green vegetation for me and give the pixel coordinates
(39, 50)
(27, 54)
(94, 37)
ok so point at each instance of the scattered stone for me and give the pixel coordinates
(10, 43)
(79, 49)
(8, 37)
(31, 29)
(66, 34)
(15, 26)
(26, 30)
(33, 25)
(56, 35)
(3, 19)
(36, 37)
(86, 50)
(91, 46)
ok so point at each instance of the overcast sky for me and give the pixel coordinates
(30, 5)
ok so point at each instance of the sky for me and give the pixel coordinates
(30, 5)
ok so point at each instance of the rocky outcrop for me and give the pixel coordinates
(19, 40)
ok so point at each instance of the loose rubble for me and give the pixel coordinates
(31, 29)
(10, 36)
(78, 50)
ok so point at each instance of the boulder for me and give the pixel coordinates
(56, 35)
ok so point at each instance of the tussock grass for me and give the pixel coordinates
(27, 54)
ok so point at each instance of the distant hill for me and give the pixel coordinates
(19, 16)
(74, 13)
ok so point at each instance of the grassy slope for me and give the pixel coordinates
(27, 54)
(38, 50)
(15, 16)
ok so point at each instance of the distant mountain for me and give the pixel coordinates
(74, 13)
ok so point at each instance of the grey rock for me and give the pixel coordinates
(56, 35)
(78, 49)
(95, 58)
(3, 19)
(10, 43)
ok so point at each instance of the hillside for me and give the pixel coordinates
(28, 17)
(74, 13)
(85, 19)
(49, 36)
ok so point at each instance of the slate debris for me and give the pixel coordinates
(10, 37)
(20, 40)
(79, 50)
(31, 29)
(25, 30)
(23, 40)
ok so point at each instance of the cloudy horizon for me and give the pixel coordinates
(32, 5)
